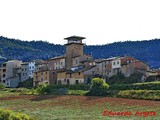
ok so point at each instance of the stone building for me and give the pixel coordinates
(70, 77)
(74, 48)
(10, 74)
(130, 65)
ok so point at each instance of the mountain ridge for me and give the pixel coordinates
(147, 50)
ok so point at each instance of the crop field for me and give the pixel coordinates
(51, 107)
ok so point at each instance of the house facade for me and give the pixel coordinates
(10, 73)
(70, 77)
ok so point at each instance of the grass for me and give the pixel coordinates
(52, 107)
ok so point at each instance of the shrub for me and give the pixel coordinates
(98, 87)
(140, 94)
(10, 115)
(27, 84)
(43, 89)
(121, 79)
(77, 92)
(2, 86)
(136, 86)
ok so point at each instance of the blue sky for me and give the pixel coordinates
(100, 21)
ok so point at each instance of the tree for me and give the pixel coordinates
(98, 87)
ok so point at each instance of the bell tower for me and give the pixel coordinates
(74, 47)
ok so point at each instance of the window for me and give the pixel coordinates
(114, 63)
(76, 61)
(76, 82)
(64, 80)
(41, 73)
(25, 69)
(4, 75)
(68, 82)
(79, 73)
(46, 72)
(59, 82)
(4, 65)
(41, 79)
(70, 75)
(61, 63)
(93, 72)
(117, 62)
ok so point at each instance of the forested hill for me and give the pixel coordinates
(148, 51)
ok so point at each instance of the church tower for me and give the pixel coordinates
(74, 48)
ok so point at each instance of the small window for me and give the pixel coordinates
(117, 62)
(59, 82)
(4, 75)
(41, 73)
(114, 63)
(76, 61)
(79, 73)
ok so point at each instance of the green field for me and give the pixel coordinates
(67, 107)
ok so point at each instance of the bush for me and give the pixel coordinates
(10, 115)
(121, 79)
(71, 87)
(43, 89)
(140, 94)
(27, 84)
(98, 87)
(77, 92)
(136, 86)
(1, 86)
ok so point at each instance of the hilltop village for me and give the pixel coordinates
(74, 67)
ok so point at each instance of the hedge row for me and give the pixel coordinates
(137, 86)
(71, 87)
(10, 115)
(140, 94)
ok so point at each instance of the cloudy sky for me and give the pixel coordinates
(100, 21)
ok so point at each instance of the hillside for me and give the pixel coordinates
(148, 51)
